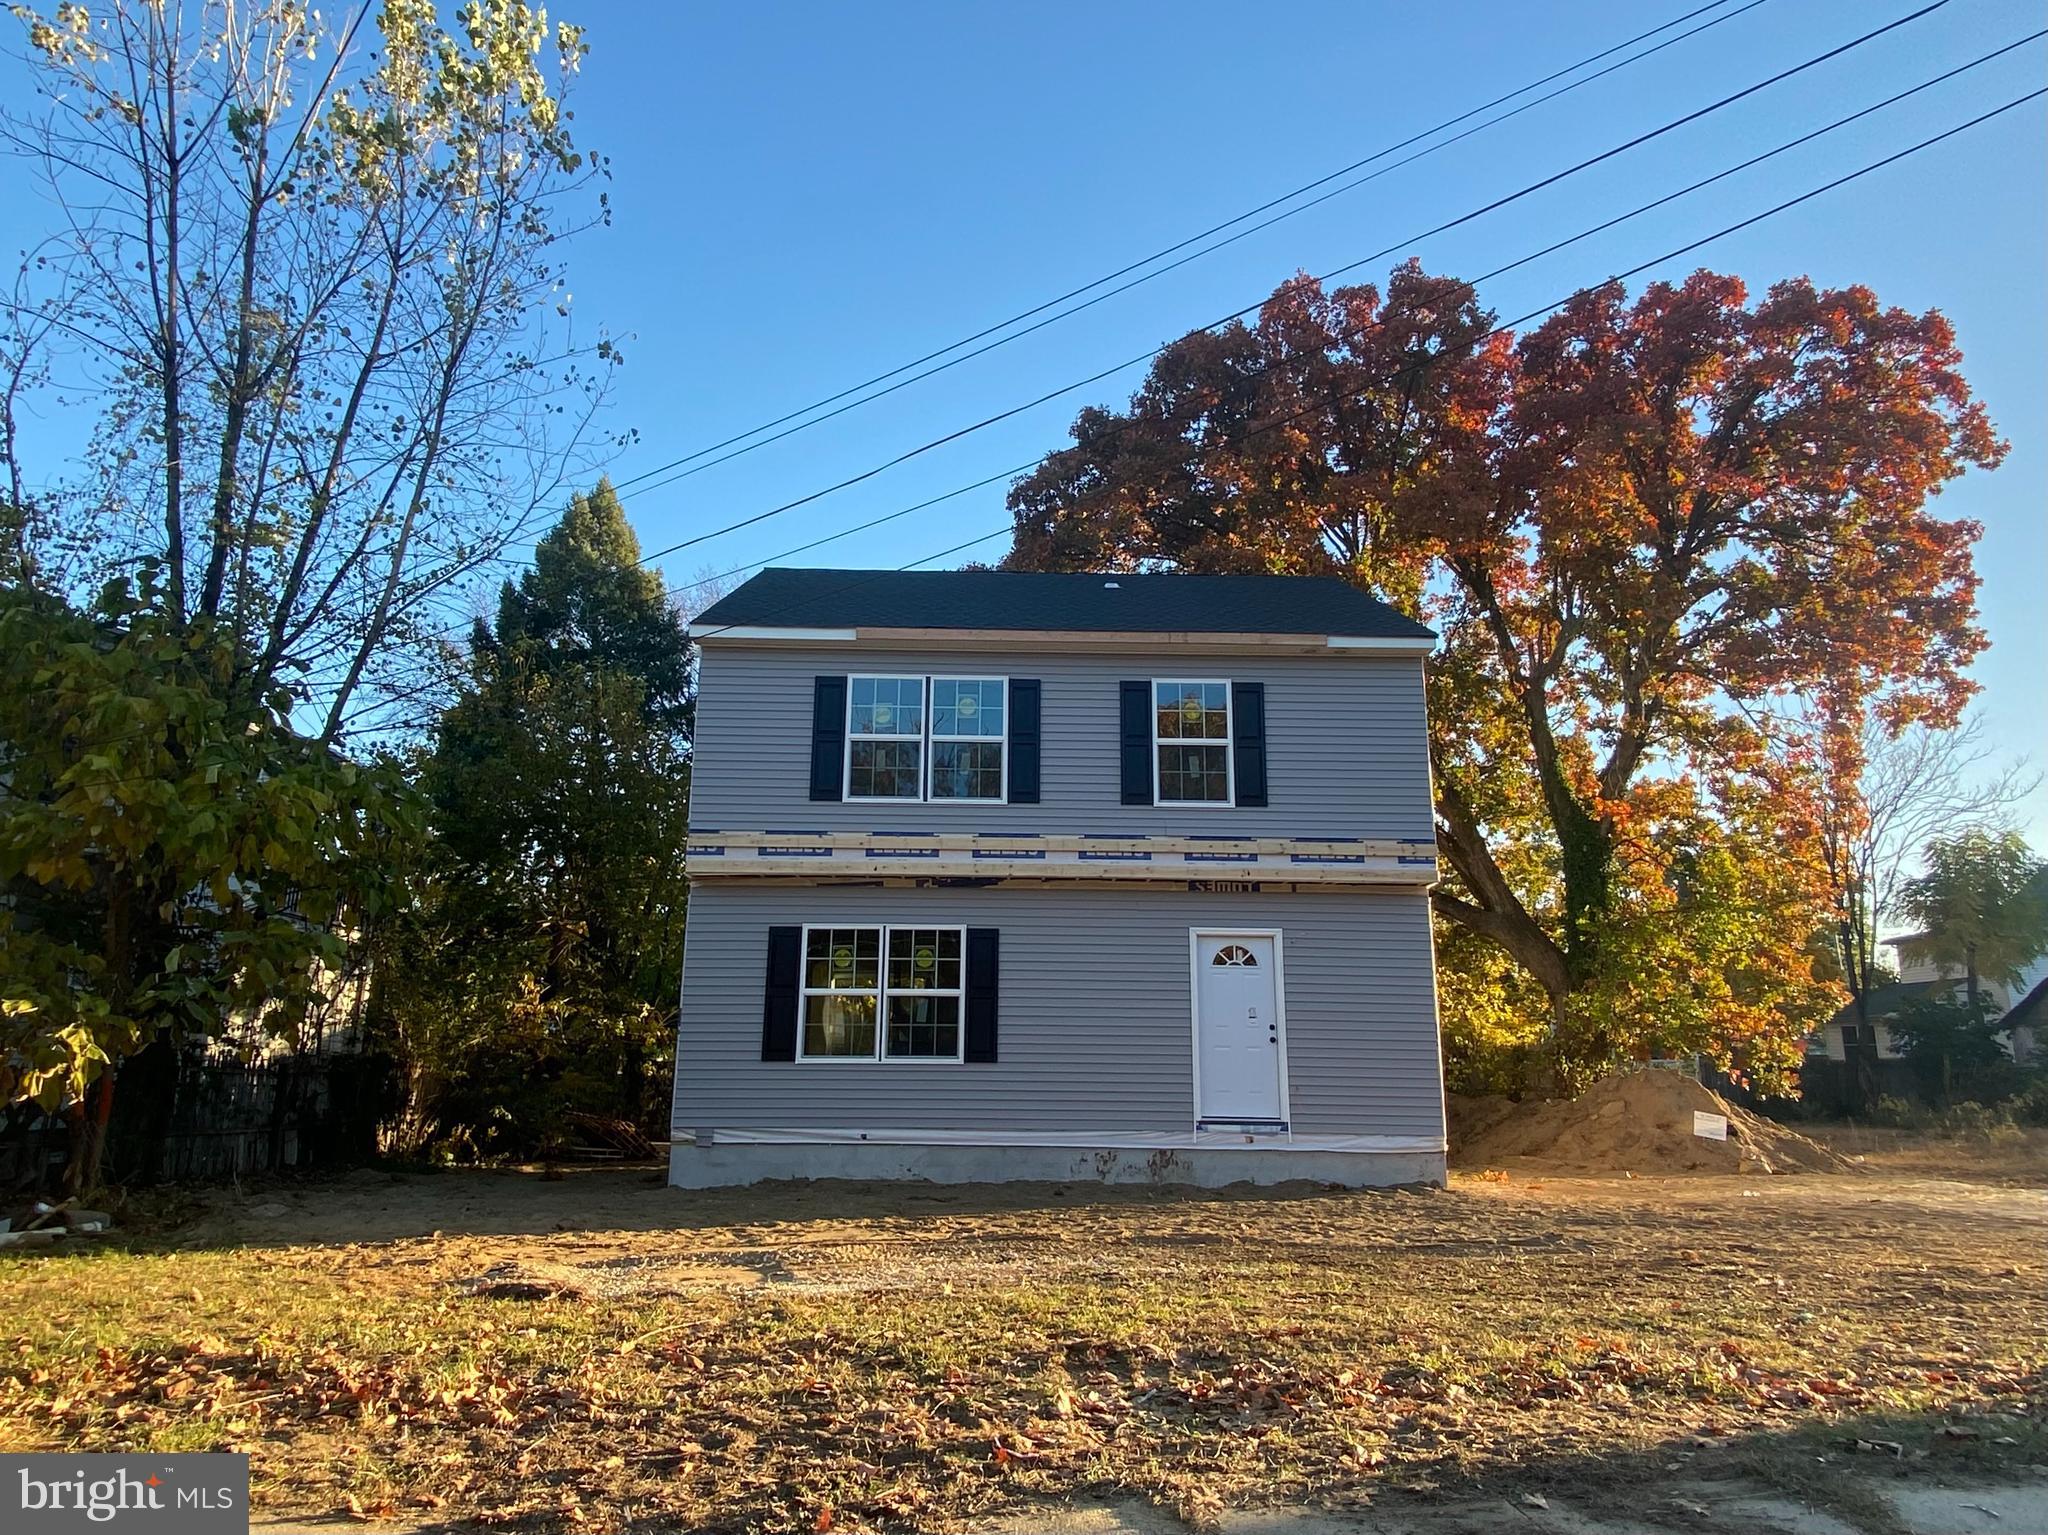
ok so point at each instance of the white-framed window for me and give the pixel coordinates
(970, 738)
(873, 993)
(884, 737)
(958, 748)
(1191, 743)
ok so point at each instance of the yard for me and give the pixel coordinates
(595, 1350)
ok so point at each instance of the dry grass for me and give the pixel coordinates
(604, 1352)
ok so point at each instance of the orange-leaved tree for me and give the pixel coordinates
(1635, 527)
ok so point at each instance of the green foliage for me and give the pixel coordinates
(172, 852)
(1982, 906)
(539, 971)
(1946, 1032)
(1495, 1019)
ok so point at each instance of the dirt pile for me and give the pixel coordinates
(1638, 1122)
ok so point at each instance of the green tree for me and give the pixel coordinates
(541, 970)
(1947, 1036)
(212, 863)
(310, 284)
(1981, 907)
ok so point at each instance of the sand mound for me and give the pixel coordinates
(1637, 1122)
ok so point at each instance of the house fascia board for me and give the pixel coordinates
(1042, 640)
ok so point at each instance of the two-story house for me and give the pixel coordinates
(1000, 875)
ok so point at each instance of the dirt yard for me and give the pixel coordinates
(601, 1352)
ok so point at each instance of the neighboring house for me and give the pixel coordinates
(1884, 1003)
(1014, 876)
(1920, 977)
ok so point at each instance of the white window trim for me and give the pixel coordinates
(923, 734)
(881, 1057)
(1228, 743)
(925, 738)
(933, 738)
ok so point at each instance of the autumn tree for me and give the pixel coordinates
(1634, 526)
(538, 969)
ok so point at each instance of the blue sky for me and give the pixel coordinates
(808, 195)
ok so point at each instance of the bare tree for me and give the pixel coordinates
(310, 275)
(1890, 795)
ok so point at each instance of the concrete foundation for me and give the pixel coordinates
(724, 1166)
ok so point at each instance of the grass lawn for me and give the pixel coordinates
(601, 1351)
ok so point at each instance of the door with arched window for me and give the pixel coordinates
(1240, 1062)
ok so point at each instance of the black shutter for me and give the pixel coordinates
(828, 737)
(780, 995)
(1248, 732)
(984, 945)
(1135, 732)
(1023, 740)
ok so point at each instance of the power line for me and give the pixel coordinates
(1499, 271)
(1521, 261)
(1640, 267)
(519, 533)
(1507, 326)
(1194, 255)
(1147, 355)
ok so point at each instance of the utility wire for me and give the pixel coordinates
(1499, 271)
(1643, 266)
(1505, 327)
(519, 533)
(1194, 255)
(1465, 218)
(1521, 261)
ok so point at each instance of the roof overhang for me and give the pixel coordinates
(1068, 639)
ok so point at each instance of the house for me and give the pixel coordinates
(1000, 875)
(1921, 978)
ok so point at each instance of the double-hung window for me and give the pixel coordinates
(885, 738)
(882, 993)
(897, 748)
(969, 737)
(1191, 743)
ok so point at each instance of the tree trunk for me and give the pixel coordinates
(89, 1137)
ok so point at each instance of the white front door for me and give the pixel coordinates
(1237, 1027)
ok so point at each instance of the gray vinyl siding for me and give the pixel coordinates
(1095, 1029)
(1346, 745)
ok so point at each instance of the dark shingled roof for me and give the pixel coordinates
(2030, 1010)
(1886, 1001)
(1006, 599)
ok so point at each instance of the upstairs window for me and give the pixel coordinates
(968, 737)
(1191, 743)
(885, 738)
(955, 749)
